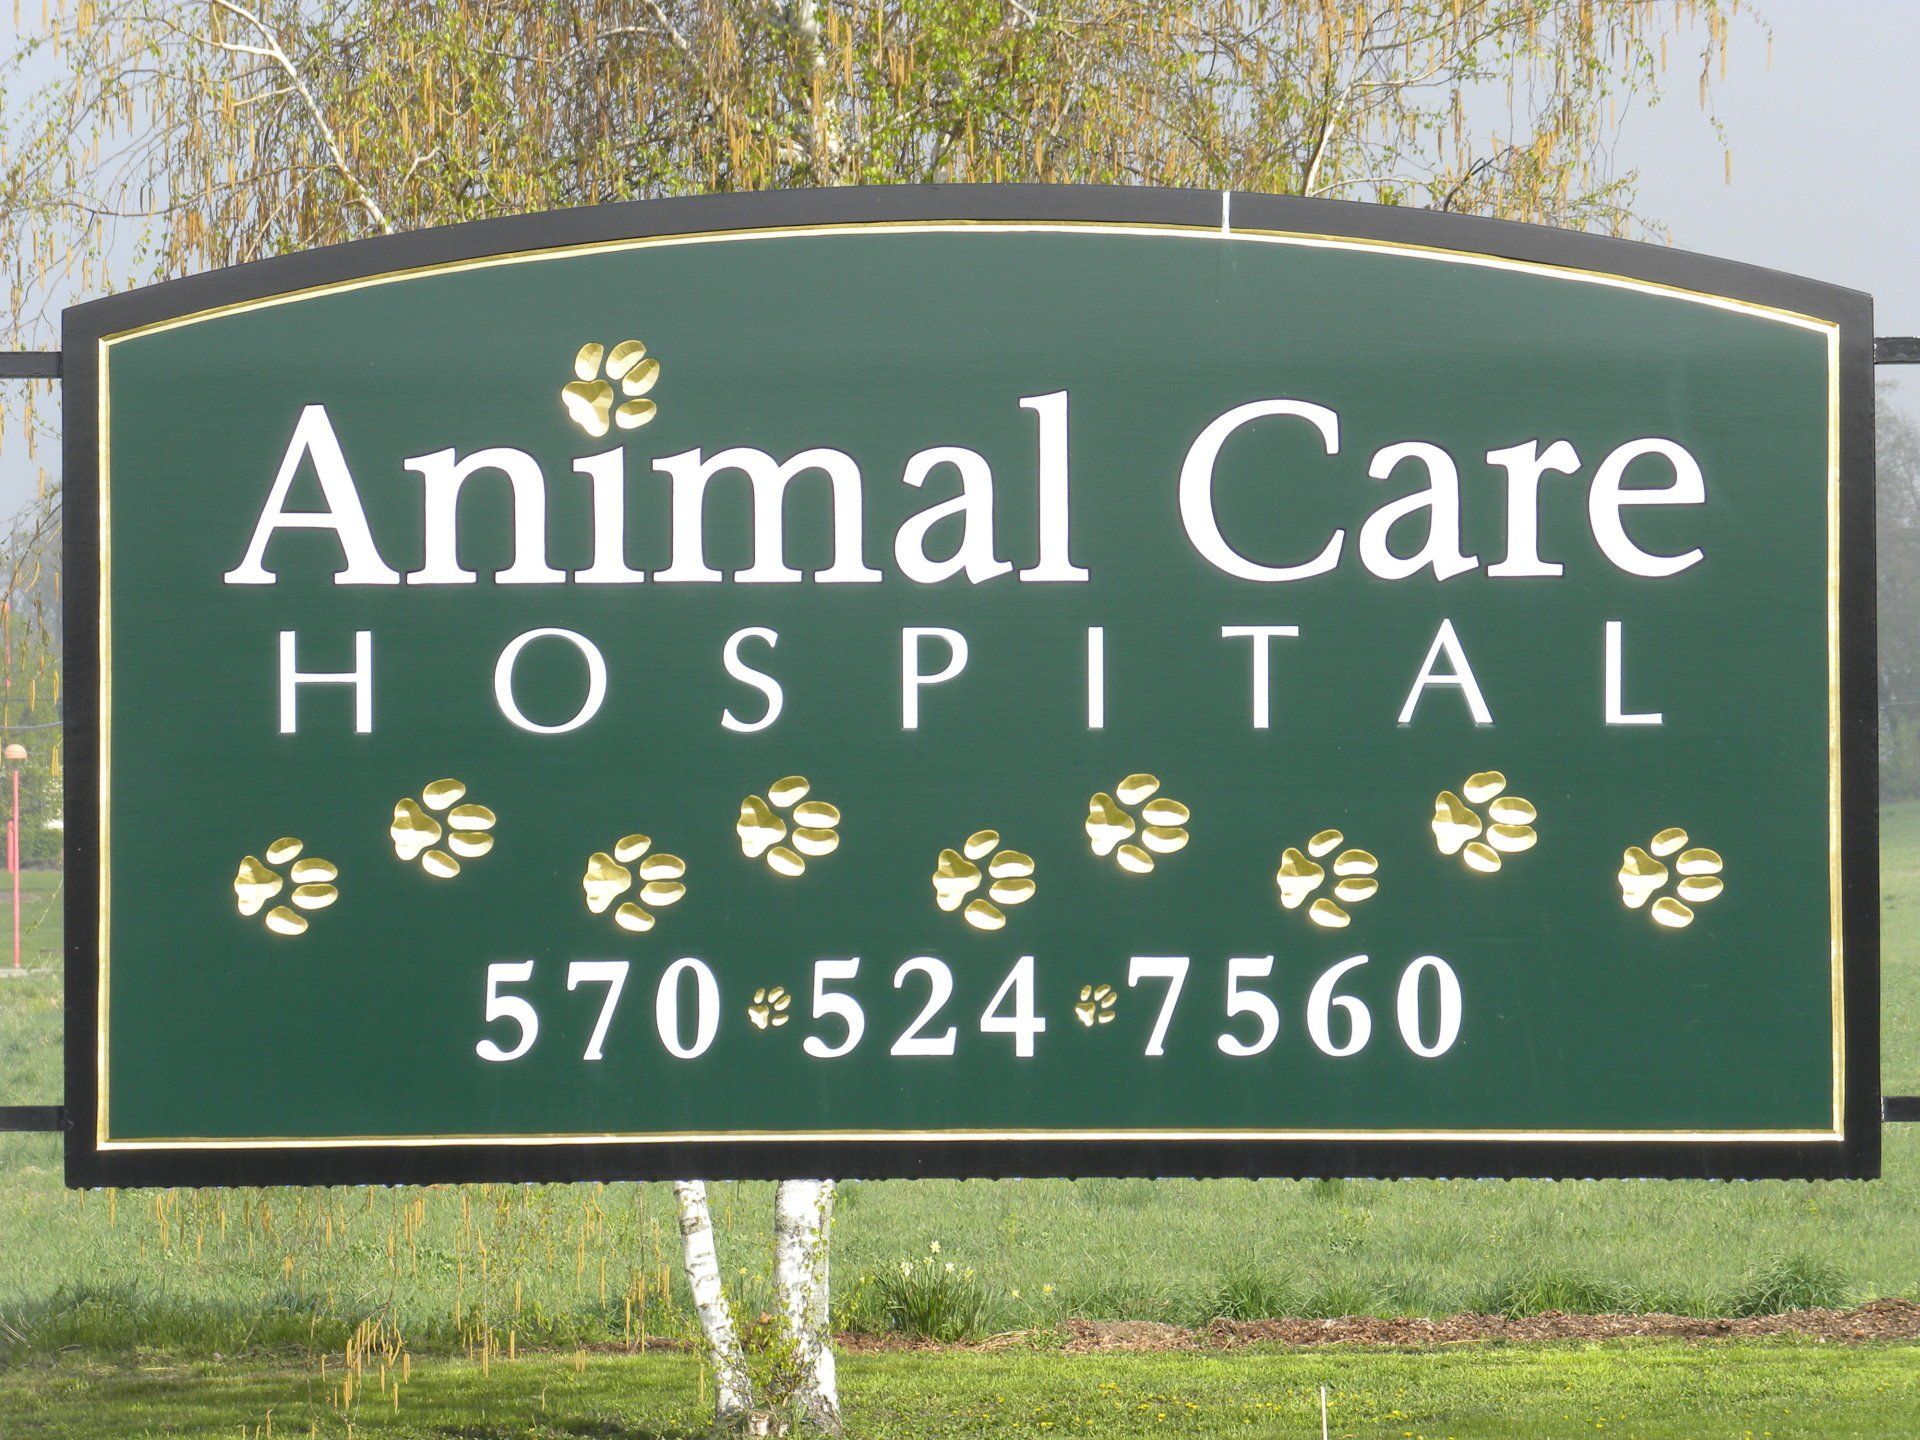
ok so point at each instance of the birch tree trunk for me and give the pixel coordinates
(802, 1217)
(733, 1388)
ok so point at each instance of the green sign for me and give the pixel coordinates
(972, 682)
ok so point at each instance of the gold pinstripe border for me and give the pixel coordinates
(1199, 233)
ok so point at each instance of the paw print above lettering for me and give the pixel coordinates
(589, 399)
(1299, 875)
(956, 875)
(762, 829)
(1111, 824)
(417, 834)
(1643, 876)
(1508, 825)
(608, 877)
(256, 883)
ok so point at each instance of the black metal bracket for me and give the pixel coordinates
(45, 365)
(1898, 350)
(29, 364)
(40, 1118)
(1894, 1110)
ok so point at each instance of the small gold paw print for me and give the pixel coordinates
(1508, 827)
(762, 830)
(1095, 1006)
(1111, 826)
(1642, 876)
(957, 875)
(589, 399)
(416, 834)
(608, 877)
(769, 1008)
(256, 883)
(1300, 875)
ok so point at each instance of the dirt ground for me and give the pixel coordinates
(1878, 1320)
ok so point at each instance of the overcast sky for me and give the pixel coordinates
(1824, 154)
(1824, 161)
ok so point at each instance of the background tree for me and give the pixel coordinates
(1897, 443)
(30, 674)
(148, 138)
(151, 138)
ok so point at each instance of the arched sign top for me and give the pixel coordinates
(1226, 214)
(972, 681)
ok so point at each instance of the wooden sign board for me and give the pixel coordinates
(972, 682)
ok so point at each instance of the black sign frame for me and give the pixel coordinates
(1856, 1155)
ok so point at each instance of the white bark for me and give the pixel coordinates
(733, 1387)
(823, 126)
(270, 48)
(802, 1216)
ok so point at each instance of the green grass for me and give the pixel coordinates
(1900, 948)
(42, 926)
(1646, 1390)
(190, 1273)
(30, 1038)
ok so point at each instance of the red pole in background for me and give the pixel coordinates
(14, 754)
(13, 862)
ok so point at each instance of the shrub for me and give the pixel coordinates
(1124, 1300)
(1252, 1295)
(932, 1298)
(1796, 1281)
(860, 1308)
(1340, 1298)
(1669, 1298)
(124, 1316)
(1536, 1291)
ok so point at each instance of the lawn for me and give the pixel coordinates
(42, 924)
(1900, 948)
(1649, 1391)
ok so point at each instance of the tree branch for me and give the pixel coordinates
(272, 50)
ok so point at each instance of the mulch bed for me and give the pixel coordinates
(1877, 1320)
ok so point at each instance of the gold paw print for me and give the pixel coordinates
(608, 878)
(257, 883)
(769, 1008)
(1095, 1006)
(1300, 875)
(589, 399)
(468, 831)
(762, 830)
(1642, 876)
(1111, 827)
(1457, 826)
(957, 875)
